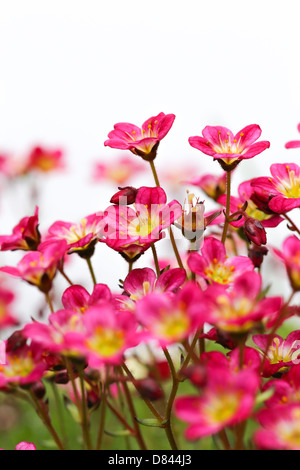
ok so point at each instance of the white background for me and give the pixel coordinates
(70, 69)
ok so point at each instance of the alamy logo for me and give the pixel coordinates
(2, 353)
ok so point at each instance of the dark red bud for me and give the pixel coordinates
(196, 374)
(261, 200)
(39, 390)
(255, 232)
(93, 399)
(62, 377)
(256, 254)
(15, 341)
(125, 196)
(150, 389)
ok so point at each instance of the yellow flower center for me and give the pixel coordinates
(220, 273)
(17, 366)
(289, 431)
(106, 342)
(289, 187)
(173, 325)
(221, 406)
(230, 311)
(279, 353)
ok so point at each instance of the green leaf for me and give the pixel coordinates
(123, 432)
(150, 422)
(262, 397)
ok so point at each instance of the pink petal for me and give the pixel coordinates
(201, 144)
(250, 134)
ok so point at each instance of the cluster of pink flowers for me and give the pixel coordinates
(212, 292)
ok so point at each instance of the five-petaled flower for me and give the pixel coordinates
(281, 193)
(144, 140)
(214, 265)
(220, 143)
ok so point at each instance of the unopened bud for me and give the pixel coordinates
(255, 232)
(15, 341)
(125, 196)
(196, 374)
(256, 254)
(62, 377)
(150, 389)
(39, 390)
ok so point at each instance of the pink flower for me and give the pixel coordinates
(281, 353)
(23, 365)
(25, 446)
(25, 235)
(229, 150)
(171, 319)
(281, 425)
(108, 334)
(290, 255)
(215, 266)
(6, 316)
(282, 192)
(39, 267)
(213, 186)
(245, 191)
(238, 310)
(227, 399)
(119, 171)
(82, 237)
(44, 160)
(132, 230)
(78, 299)
(142, 141)
(293, 144)
(141, 282)
(57, 336)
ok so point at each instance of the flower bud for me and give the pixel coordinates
(255, 232)
(15, 341)
(125, 196)
(196, 374)
(62, 377)
(39, 390)
(150, 389)
(261, 200)
(256, 254)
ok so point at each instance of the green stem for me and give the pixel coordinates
(89, 263)
(130, 264)
(228, 189)
(224, 439)
(154, 172)
(46, 420)
(102, 418)
(85, 420)
(172, 239)
(49, 302)
(273, 331)
(120, 417)
(190, 353)
(153, 410)
(175, 385)
(154, 252)
(136, 426)
(291, 223)
(62, 272)
(59, 411)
